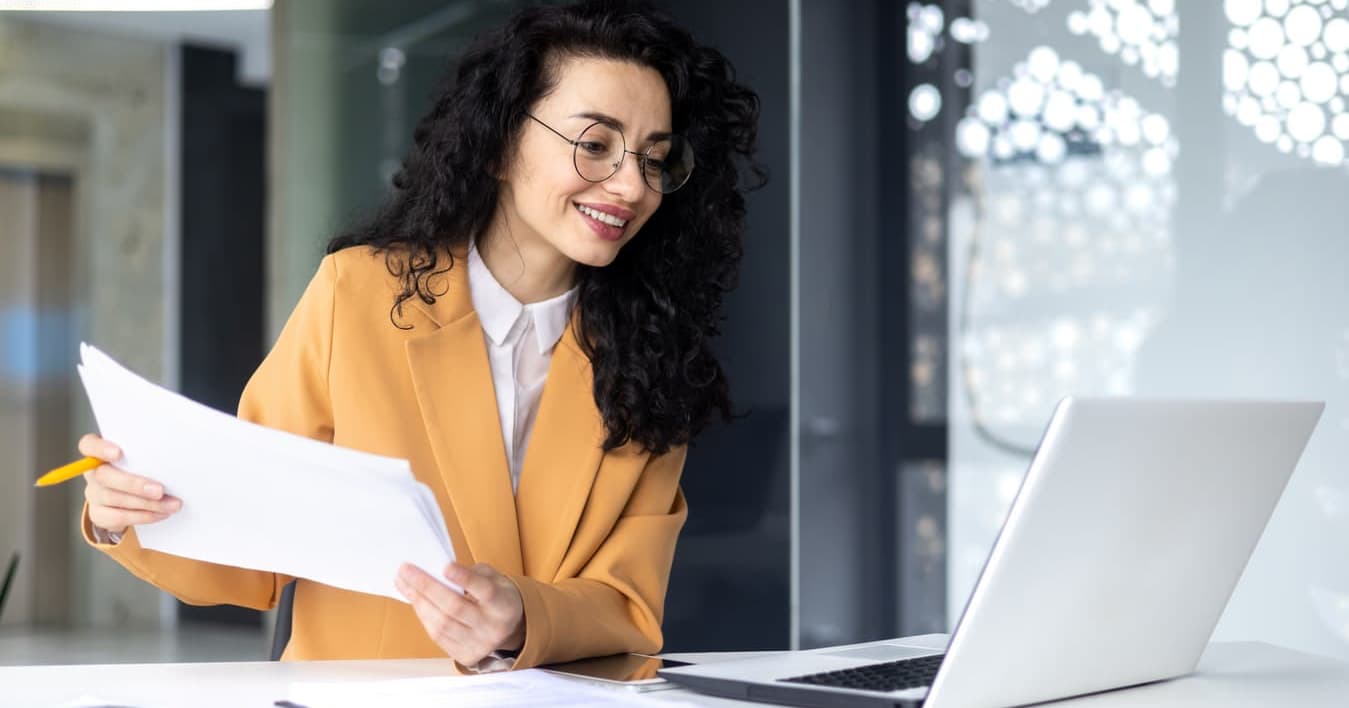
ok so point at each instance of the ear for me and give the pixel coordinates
(500, 166)
(495, 166)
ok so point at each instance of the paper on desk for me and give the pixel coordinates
(256, 497)
(87, 701)
(519, 689)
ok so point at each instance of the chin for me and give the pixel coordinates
(595, 255)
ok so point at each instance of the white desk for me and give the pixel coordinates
(1240, 675)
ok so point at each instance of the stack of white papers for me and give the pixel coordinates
(255, 497)
(519, 689)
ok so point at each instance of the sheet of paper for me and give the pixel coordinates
(519, 689)
(255, 497)
(94, 702)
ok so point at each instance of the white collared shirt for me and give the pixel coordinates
(520, 343)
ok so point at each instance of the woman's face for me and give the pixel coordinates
(544, 201)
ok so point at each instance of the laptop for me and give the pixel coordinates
(1116, 560)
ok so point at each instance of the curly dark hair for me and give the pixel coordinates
(646, 320)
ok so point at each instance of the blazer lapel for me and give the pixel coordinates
(563, 457)
(453, 383)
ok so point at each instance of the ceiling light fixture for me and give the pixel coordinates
(132, 5)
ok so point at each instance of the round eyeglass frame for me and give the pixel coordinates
(642, 157)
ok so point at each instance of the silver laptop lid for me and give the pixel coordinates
(1125, 541)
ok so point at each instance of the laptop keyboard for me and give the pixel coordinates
(889, 676)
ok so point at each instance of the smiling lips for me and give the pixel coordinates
(606, 221)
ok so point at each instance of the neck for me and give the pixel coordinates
(530, 270)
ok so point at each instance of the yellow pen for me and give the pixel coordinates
(68, 472)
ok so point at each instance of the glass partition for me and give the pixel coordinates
(1147, 198)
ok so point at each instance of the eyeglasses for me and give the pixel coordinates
(598, 152)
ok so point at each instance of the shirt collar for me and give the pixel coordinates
(499, 310)
(550, 319)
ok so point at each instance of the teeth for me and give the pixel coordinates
(601, 216)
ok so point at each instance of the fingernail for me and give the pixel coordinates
(173, 505)
(154, 490)
(111, 453)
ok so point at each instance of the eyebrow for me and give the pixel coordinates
(617, 124)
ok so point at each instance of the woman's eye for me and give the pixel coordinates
(593, 147)
(654, 166)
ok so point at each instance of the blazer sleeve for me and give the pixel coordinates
(616, 603)
(289, 391)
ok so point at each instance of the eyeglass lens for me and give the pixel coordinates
(665, 165)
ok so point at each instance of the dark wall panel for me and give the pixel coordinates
(223, 215)
(730, 585)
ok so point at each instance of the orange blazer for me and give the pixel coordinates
(588, 538)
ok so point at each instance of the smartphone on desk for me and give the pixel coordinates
(635, 672)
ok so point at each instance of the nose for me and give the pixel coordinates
(627, 183)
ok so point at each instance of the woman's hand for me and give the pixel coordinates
(118, 499)
(490, 615)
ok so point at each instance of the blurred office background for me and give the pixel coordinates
(976, 208)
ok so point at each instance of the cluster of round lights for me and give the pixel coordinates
(926, 24)
(1137, 32)
(1087, 223)
(1049, 109)
(1286, 74)
(1078, 196)
(1059, 231)
(1031, 5)
(1063, 233)
(1006, 365)
(927, 32)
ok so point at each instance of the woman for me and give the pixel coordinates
(546, 277)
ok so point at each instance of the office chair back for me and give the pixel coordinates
(281, 637)
(9, 581)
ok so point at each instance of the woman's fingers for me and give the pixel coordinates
(453, 638)
(478, 581)
(94, 446)
(500, 606)
(118, 499)
(445, 600)
(459, 640)
(120, 480)
(98, 495)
